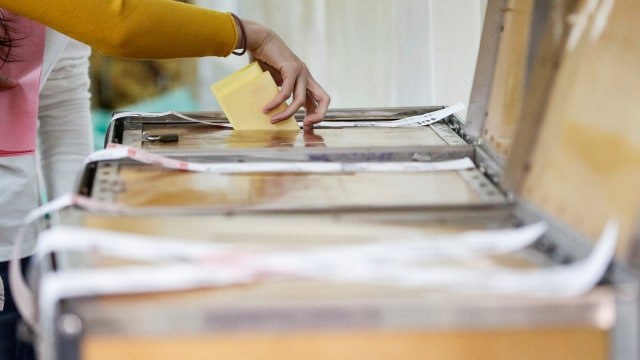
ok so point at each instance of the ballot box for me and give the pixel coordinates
(147, 294)
(356, 158)
(208, 132)
(510, 235)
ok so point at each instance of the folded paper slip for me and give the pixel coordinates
(242, 96)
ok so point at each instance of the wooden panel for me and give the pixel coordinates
(507, 89)
(585, 168)
(508, 344)
(550, 41)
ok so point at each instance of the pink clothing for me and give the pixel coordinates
(19, 105)
(65, 138)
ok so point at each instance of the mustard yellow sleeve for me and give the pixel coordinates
(135, 28)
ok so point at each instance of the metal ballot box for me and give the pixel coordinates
(130, 308)
(197, 133)
(373, 241)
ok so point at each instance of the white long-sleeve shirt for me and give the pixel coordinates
(65, 138)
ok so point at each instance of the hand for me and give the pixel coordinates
(7, 83)
(289, 72)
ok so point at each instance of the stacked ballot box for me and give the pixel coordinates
(381, 233)
(236, 244)
(328, 285)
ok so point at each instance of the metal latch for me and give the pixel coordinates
(146, 136)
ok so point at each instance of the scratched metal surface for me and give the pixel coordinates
(194, 137)
(151, 186)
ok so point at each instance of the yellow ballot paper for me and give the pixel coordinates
(244, 94)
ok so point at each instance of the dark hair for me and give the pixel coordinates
(6, 42)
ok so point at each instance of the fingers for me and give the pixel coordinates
(299, 97)
(306, 92)
(316, 106)
(6, 82)
(289, 83)
(289, 72)
(310, 104)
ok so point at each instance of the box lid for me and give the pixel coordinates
(574, 153)
(498, 85)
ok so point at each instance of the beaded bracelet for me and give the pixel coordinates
(243, 32)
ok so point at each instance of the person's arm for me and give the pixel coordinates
(65, 130)
(170, 29)
(136, 28)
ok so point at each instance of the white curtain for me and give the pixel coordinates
(368, 53)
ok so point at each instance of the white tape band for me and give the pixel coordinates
(412, 121)
(117, 152)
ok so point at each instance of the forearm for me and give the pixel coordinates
(136, 28)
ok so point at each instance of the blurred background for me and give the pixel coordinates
(365, 53)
